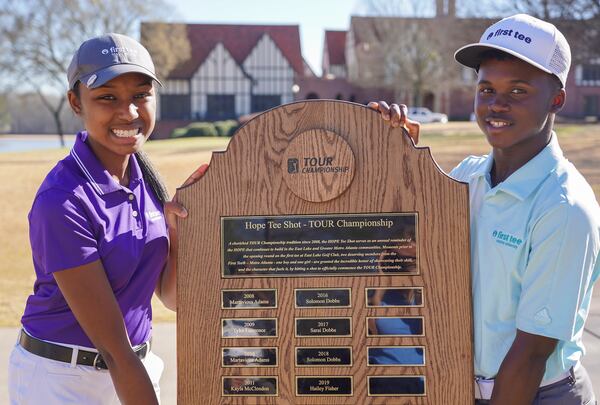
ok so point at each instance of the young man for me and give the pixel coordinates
(535, 222)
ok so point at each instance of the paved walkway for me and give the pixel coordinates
(165, 340)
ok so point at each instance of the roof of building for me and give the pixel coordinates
(335, 42)
(239, 40)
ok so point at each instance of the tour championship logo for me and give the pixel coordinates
(315, 164)
(292, 165)
(318, 165)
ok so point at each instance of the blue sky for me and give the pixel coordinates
(313, 17)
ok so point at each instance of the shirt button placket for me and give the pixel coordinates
(135, 210)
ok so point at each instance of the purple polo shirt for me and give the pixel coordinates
(81, 214)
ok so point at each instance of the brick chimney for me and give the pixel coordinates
(445, 8)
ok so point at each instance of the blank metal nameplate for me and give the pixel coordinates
(323, 386)
(323, 356)
(248, 328)
(396, 386)
(244, 386)
(395, 326)
(394, 297)
(309, 327)
(248, 299)
(323, 297)
(396, 356)
(249, 356)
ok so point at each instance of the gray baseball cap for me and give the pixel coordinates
(103, 58)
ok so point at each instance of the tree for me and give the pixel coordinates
(555, 9)
(409, 53)
(578, 20)
(412, 60)
(39, 37)
(4, 116)
(168, 44)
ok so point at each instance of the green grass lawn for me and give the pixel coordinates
(21, 174)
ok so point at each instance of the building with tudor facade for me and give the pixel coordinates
(239, 70)
(233, 70)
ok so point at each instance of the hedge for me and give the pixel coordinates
(226, 128)
(217, 128)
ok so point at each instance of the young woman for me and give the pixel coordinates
(103, 240)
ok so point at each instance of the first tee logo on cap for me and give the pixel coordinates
(501, 32)
(91, 80)
(119, 50)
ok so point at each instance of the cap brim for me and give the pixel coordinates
(108, 73)
(470, 55)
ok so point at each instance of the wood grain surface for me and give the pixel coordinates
(391, 175)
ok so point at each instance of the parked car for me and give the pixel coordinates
(425, 115)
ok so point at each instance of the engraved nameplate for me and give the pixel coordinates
(323, 356)
(248, 328)
(249, 356)
(247, 299)
(323, 297)
(306, 327)
(244, 386)
(323, 386)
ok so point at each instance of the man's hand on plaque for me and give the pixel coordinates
(397, 115)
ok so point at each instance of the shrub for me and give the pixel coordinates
(202, 129)
(179, 132)
(226, 128)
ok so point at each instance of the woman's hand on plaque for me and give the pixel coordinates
(397, 115)
(173, 209)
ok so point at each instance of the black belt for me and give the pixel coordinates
(61, 353)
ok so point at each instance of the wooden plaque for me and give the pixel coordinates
(322, 233)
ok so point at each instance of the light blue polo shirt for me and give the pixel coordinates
(535, 239)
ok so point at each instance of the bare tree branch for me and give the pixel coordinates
(39, 37)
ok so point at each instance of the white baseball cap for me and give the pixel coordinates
(532, 40)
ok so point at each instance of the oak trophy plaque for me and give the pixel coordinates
(325, 259)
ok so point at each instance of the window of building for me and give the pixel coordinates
(175, 106)
(591, 106)
(591, 72)
(468, 75)
(220, 107)
(263, 102)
